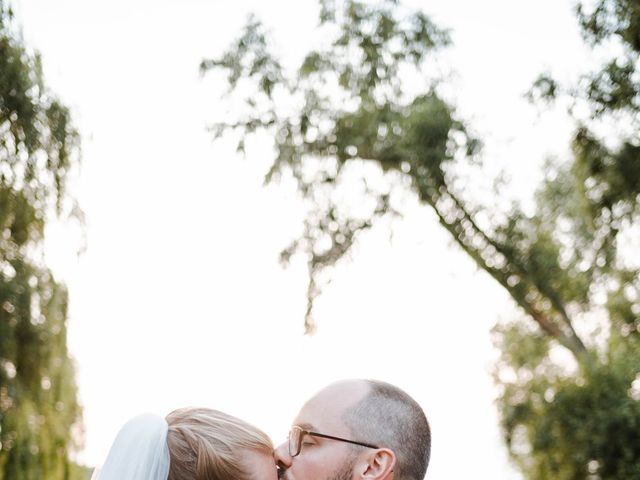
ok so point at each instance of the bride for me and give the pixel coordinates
(191, 443)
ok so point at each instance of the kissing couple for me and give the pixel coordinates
(350, 430)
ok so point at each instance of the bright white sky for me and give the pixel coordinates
(179, 298)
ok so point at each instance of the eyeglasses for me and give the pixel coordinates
(297, 434)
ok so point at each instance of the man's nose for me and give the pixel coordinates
(281, 454)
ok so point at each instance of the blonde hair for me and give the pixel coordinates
(206, 444)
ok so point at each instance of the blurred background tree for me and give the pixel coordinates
(356, 141)
(564, 420)
(40, 419)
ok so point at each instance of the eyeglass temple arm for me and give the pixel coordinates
(362, 444)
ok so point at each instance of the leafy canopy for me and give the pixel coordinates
(39, 411)
(569, 393)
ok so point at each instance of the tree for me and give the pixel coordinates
(584, 423)
(39, 148)
(345, 116)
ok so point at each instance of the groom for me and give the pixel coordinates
(357, 430)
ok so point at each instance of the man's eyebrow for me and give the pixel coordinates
(306, 426)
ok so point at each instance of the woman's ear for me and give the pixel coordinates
(378, 465)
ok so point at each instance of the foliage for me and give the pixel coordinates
(569, 423)
(38, 149)
(569, 401)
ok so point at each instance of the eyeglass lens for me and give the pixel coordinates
(295, 437)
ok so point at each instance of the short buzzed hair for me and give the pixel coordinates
(389, 417)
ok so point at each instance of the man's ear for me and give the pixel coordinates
(378, 465)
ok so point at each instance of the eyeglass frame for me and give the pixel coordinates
(304, 432)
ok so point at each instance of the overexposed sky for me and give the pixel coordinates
(179, 298)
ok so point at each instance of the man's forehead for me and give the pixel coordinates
(326, 408)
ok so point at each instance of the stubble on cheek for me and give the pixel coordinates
(344, 472)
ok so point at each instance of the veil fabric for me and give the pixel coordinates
(139, 452)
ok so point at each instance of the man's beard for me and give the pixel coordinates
(343, 472)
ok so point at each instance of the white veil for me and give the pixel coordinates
(139, 452)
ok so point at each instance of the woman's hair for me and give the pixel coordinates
(206, 444)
